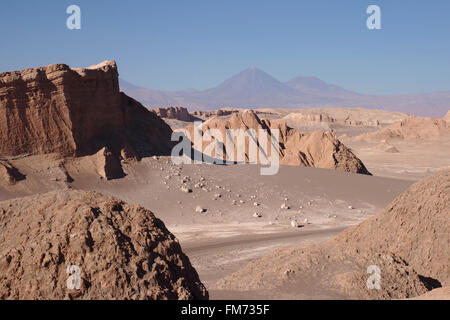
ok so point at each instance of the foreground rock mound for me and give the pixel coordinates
(408, 241)
(122, 251)
(318, 149)
(74, 112)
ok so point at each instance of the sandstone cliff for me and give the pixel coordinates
(74, 112)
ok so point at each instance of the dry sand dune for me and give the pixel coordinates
(408, 241)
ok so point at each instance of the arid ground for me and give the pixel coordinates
(343, 166)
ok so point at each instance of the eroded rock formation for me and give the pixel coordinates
(411, 128)
(74, 112)
(177, 113)
(121, 251)
(318, 149)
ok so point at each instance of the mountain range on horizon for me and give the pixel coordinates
(254, 88)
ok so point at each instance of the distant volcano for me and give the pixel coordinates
(254, 88)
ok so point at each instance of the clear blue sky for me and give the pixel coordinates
(172, 45)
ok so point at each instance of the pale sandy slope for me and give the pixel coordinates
(408, 242)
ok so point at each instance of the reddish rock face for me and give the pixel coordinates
(73, 112)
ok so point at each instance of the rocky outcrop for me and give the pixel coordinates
(204, 115)
(411, 128)
(177, 113)
(107, 165)
(408, 241)
(74, 112)
(119, 251)
(9, 175)
(318, 149)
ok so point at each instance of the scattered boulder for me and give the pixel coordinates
(391, 149)
(108, 165)
(386, 147)
(185, 189)
(200, 209)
